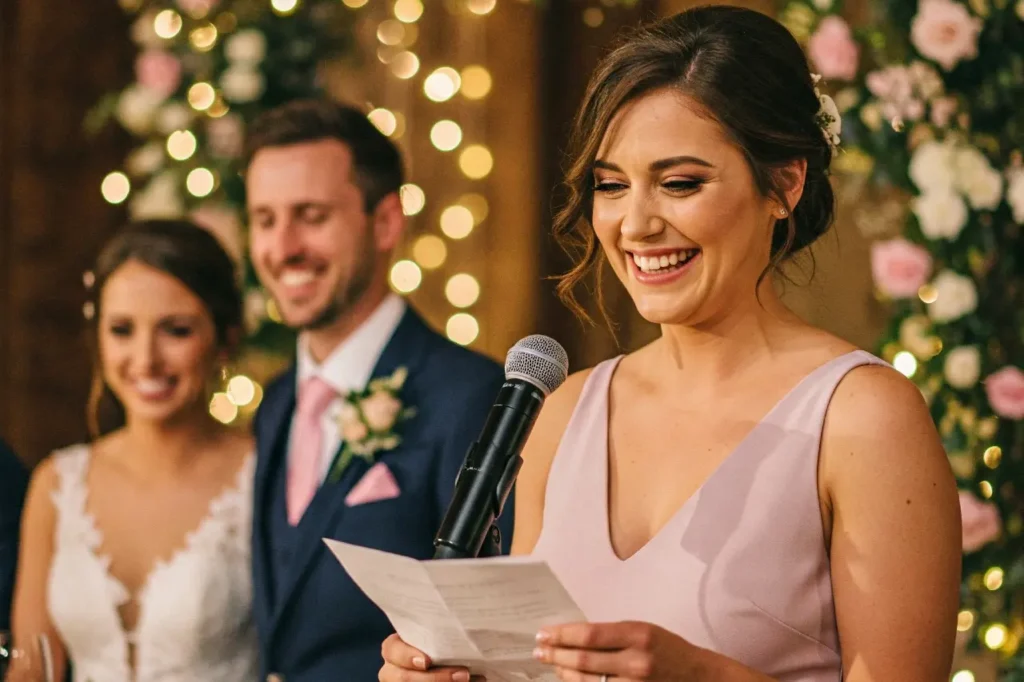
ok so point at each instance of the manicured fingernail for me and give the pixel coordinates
(461, 676)
(539, 654)
(543, 636)
(420, 662)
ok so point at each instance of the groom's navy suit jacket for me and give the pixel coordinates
(314, 623)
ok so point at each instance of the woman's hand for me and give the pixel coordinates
(403, 663)
(583, 652)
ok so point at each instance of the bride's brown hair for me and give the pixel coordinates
(184, 251)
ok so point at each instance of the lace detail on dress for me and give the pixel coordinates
(195, 608)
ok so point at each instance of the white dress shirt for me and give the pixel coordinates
(347, 368)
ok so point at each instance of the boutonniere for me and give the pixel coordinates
(368, 419)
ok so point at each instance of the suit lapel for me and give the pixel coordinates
(406, 347)
(272, 445)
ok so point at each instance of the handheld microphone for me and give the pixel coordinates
(534, 367)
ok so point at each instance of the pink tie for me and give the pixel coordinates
(304, 469)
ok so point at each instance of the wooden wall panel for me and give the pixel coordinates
(55, 62)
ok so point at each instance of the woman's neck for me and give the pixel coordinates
(753, 330)
(170, 446)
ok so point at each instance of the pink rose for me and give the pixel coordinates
(980, 522)
(943, 109)
(1005, 391)
(225, 136)
(899, 267)
(354, 431)
(380, 410)
(945, 32)
(833, 50)
(159, 71)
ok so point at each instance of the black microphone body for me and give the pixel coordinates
(488, 474)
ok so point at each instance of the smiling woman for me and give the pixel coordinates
(135, 550)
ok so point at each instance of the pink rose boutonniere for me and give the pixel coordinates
(369, 418)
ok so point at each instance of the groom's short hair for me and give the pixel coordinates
(377, 163)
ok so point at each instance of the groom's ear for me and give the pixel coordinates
(388, 222)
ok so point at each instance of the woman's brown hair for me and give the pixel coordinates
(184, 251)
(748, 73)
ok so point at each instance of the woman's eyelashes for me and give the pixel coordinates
(675, 186)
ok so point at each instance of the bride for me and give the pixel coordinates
(135, 547)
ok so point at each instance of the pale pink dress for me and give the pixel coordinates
(741, 568)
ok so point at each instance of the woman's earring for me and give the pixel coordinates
(782, 212)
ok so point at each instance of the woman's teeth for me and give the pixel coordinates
(665, 261)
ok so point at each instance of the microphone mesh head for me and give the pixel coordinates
(539, 360)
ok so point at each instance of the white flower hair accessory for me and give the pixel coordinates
(827, 118)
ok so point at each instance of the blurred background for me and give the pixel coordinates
(137, 108)
(478, 94)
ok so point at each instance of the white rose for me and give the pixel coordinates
(977, 179)
(928, 81)
(136, 108)
(956, 297)
(161, 198)
(174, 116)
(871, 116)
(931, 166)
(241, 84)
(941, 213)
(823, 5)
(914, 336)
(962, 367)
(248, 46)
(146, 160)
(1015, 190)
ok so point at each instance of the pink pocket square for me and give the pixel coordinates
(378, 483)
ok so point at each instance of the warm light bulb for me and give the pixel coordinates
(115, 187)
(354, 4)
(928, 294)
(405, 276)
(446, 135)
(384, 120)
(593, 17)
(986, 489)
(167, 24)
(905, 363)
(477, 205)
(200, 182)
(994, 578)
(413, 198)
(993, 455)
(962, 676)
(442, 84)
(476, 82)
(284, 7)
(408, 11)
(964, 621)
(462, 290)
(202, 96)
(476, 161)
(181, 144)
(390, 32)
(462, 328)
(204, 37)
(430, 251)
(481, 7)
(456, 222)
(222, 409)
(241, 390)
(995, 636)
(405, 65)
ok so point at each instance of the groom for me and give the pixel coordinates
(322, 189)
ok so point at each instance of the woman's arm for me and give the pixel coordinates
(538, 454)
(31, 616)
(896, 538)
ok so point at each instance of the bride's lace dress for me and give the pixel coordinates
(195, 610)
